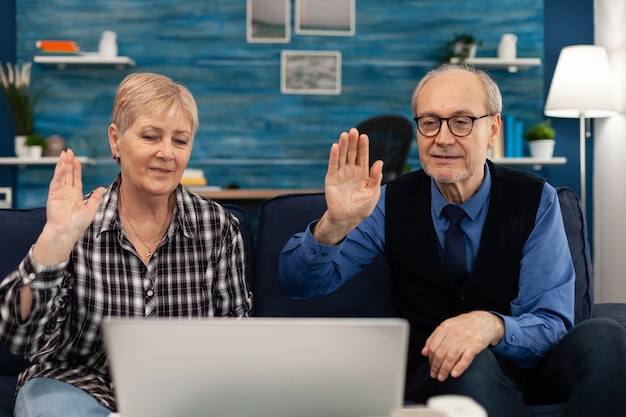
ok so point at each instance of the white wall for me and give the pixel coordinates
(609, 176)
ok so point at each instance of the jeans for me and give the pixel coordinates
(50, 397)
(586, 370)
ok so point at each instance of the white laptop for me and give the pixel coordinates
(257, 367)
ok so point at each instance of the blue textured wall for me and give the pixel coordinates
(7, 54)
(251, 134)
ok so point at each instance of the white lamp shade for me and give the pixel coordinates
(582, 84)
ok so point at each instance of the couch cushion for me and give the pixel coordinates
(19, 230)
(576, 229)
(7, 395)
(548, 410)
(615, 311)
(368, 294)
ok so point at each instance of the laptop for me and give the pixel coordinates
(257, 367)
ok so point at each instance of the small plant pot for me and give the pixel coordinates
(465, 50)
(35, 151)
(21, 150)
(543, 148)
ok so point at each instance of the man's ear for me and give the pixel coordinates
(496, 125)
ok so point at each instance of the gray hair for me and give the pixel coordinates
(493, 94)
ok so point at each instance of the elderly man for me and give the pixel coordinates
(479, 258)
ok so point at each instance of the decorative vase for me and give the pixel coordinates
(20, 148)
(543, 148)
(507, 49)
(108, 44)
(55, 144)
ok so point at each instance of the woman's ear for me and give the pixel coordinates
(114, 136)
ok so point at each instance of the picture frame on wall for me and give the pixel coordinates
(310, 72)
(325, 17)
(268, 21)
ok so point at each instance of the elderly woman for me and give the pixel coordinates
(142, 247)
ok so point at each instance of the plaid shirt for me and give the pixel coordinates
(198, 270)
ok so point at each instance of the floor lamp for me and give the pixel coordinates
(581, 88)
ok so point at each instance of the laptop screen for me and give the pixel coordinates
(261, 367)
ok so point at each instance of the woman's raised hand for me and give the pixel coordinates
(67, 213)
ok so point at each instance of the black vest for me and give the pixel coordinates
(423, 294)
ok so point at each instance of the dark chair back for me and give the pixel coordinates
(366, 295)
(19, 229)
(369, 293)
(248, 240)
(390, 138)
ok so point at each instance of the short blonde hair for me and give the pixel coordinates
(152, 94)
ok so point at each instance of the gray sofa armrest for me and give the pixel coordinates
(615, 311)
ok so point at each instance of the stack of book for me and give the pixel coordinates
(510, 144)
(57, 47)
(193, 177)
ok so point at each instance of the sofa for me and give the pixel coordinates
(369, 293)
(366, 295)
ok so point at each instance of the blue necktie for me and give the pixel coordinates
(454, 260)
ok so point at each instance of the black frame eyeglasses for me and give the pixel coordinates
(459, 126)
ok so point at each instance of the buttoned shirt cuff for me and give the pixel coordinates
(30, 271)
(316, 252)
(513, 346)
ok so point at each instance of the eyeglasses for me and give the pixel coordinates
(460, 126)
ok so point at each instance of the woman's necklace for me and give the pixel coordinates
(149, 250)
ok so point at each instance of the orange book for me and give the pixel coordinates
(57, 46)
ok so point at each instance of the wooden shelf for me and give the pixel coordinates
(62, 61)
(528, 160)
(536, 163)
(247, 193)
(511, 65)
(44, 160)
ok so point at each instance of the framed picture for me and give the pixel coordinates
(310, 72)
(325, 17)
(268, 21)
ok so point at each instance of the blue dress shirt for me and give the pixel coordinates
(542, 312)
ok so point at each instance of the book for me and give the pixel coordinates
(56, 53)
(193, 177)
(518, 139)
(497, 151)
(509, 135)
(57, 46)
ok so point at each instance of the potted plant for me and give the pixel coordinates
(20, 101)
(541, 139)
(36, 145)
(461, 47)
